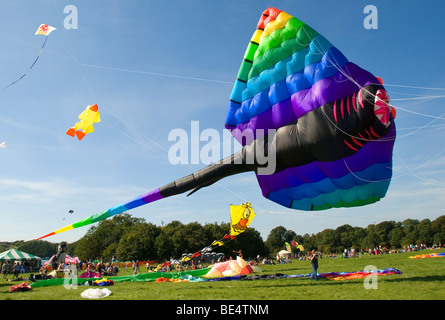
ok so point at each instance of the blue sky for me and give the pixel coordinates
(155, 66)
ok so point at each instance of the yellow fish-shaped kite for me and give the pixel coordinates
(240, 216)
(89, 116)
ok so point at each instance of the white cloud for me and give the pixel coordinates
(15, 190)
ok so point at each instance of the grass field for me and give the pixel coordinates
(421, 279)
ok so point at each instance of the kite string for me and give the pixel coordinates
(334, 63)
(192, 78)
(153, 73)
(79, 64)
(412, 173)
(413, 87)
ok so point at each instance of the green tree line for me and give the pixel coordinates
(129, 238)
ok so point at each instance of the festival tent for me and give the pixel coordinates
(284, 253)
(12, 255)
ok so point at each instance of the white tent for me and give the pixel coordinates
(284, 253)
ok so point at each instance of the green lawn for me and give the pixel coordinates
(421, 279)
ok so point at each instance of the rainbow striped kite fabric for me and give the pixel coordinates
(294, 79)
(332, 125)
(429, 255)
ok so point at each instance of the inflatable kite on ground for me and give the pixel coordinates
(89, 116)
(231, 268)
(316, 129)
(24, 286)
(358, 274)
(328, 275)
(430, 255)
(95, 293)
(90, 274)
(68, 260)
(232, 273)
(44, 30)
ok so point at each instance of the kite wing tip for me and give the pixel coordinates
(193, 191)
(70, 132)
(80, 135)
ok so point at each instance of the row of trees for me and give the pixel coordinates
(389, 234)
(129, 238)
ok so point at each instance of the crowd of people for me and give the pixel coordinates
(111, 268)
(99, 269)
(15, 268)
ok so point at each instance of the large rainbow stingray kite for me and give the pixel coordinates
(333, 129)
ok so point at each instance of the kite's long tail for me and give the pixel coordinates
(201, 178)
(29, 69)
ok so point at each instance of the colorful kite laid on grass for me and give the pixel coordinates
(232, 270)
(89, 116)
(430, 255)
(44, 30)
(316, 129)
(358, 274)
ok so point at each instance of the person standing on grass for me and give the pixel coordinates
(314, 264)
(239, 253)
(16, 269)
(5, 268)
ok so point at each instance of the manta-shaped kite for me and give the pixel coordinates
(332, 127)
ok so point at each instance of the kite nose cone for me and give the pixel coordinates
(382, 109)
(94, 108)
